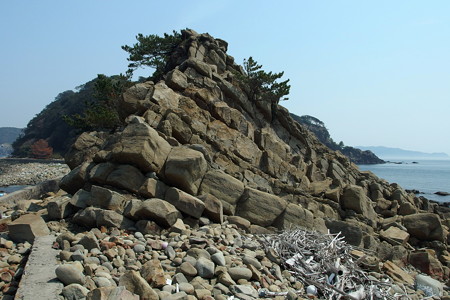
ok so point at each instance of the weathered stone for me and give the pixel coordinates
(427, 263)
(407, 208)
(165, 96)
(152, 271)
(397, 274)
(26, 228)
(75, 291)
(185, 203)
(240, 222)
(141, 146)
(126, 177)
(60, 208)
(188, 269)
(89, 241)
(100, 172)
(224, 187)
(213, 208)
(133, 282)
(152, 188)
(70, 273)
(355, 199)
(185, 169)
(160, 211)
(136, 99)
(237, 273)
(109, 218)
(76, 178)
(176, 80)
(425, 226)
(86, 217)
(395, 235)
(204, 267)
(148, 227)
(107, 199)
(295, 216)
(81, 199)
(259, 207)
(352, 233)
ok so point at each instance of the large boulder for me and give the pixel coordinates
(107, 199)
(295, 216)
(160, 211)
(259, 207)
(134, 282)
(185, 202)
(126, 177)
(140, 145)
(351, 232)
(355, 199)
(224, 187)
(185, 168)
(425, 227)
(26, 228)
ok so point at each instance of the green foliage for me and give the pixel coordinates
(152, 51)
(260, 85)
(102, 113)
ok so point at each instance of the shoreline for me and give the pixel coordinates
(27, 171)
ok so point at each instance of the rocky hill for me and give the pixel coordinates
(356, 155)
(196, 151)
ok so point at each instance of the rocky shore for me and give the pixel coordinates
(30, 171)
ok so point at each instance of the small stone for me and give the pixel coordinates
(70, 273)
(237, 273)
(78, 255)
(188, 269)
(14, 259)
(102, 281)
(218, 258)
(75, 291)
(139, 248)
(205, 268)
(89, 241)
(187, 288)
(64, 255)
(248, 260)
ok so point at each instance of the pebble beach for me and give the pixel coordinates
(30, 171)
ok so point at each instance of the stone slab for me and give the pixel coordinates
(39, 279)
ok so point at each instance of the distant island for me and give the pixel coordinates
(7, 136)
(397, 153)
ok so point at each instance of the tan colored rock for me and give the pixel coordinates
(224, 187)
(424, 226)
(152, 188)
(136, 99)
(160, 211)
(407, 208)
(239, 222)
(397, 274)
(107, 199)
(176, 80)
(26, 228)
(126, 177)
(395, 236)
(295, 215)
(133, 282)
(213, 208)
(259, 207)
(185, 168)
(185, 202)
(141, 146)
(426, 262)
(152, 271)
(355, 199)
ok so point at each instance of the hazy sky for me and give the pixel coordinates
(375, 72)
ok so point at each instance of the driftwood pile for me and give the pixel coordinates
(325, 265)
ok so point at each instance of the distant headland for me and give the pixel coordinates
(397, 153)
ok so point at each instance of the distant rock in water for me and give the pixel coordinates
(442, 193)
(317, 127)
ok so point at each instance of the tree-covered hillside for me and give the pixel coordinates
(49, 124)
(321, 132)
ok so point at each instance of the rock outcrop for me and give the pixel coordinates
(195, 146)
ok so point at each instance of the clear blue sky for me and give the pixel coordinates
(375, 72)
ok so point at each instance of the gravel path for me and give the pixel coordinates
(30, 172)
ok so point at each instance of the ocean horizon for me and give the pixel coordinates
(428, 176)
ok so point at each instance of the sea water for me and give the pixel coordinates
(427, 176)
